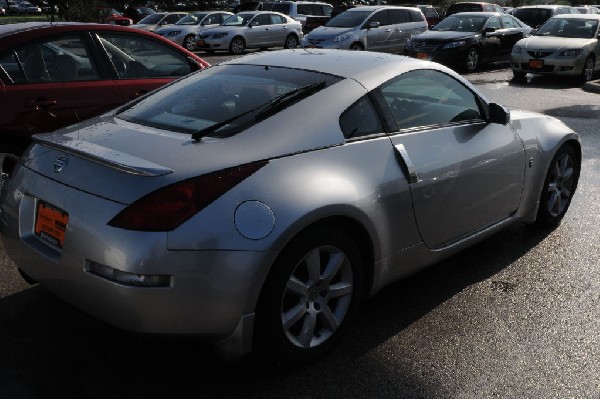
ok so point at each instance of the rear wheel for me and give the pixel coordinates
(310, 295)
(188, 42)
(291, 41)
(559, 187)
(237, 45)
(472, 60)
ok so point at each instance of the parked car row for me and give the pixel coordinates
(21, 7)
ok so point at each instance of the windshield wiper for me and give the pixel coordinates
(286, 99)
(270, 108)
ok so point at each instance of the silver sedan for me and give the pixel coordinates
(252, 29)
(184, 32)
(566, 44)
(248, 215)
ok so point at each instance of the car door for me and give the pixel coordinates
(512, 32)
(140, 64)
(379, 34)
(259, 31)
(465, 173)
(279, 29)
(52, 86)
(401, 30)
(492, 40)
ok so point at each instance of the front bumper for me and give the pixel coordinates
(450, 58)
(548, 66)
(209, 293)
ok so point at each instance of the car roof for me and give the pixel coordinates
(577, 16)
(10, 29)
(367, 68)
(479, 14)
(373, 8)
(544, 6)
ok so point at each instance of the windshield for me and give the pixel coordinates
(224, 99)
(461, 23)
(152, 19)
(575, 28)
(348, 19)
(533, 16)
(191, 19)
(238, 20)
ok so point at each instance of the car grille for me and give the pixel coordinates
(539, 54)
(315, 42)
(425, 46)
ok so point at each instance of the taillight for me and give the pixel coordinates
(168, 207)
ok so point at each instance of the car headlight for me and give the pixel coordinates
(341, 38)
(219, 35)
(174, 33)
(455, 44)
(570, 53)
(516, 49)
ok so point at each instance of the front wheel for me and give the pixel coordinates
(189, 43)
(237, 46)
(291, 41)
(588, 70)
(310, 295)
(559, 187)
(356, 46)
(472, 60)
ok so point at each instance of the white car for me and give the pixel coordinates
(157, 20)
(28, 8)
(251, 29)
(184, 32)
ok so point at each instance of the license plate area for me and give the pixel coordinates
(51, 224)
(422, 56)
(536, 64)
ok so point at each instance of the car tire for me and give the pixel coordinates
(291, 41)
(472, 60)
(518, 75)
(237, 45)
(189, 43)
(356, 46)
(588, 70)
(310, 296)
(559, 187)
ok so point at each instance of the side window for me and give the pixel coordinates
(360, 119)
(262, 19)
(63, 59)
(398, 16)
(277, 19)
(509, 22)
(416, 16)
(171, 19)
(327, 9)
(493, 22)
(429, 97)
(381, 17)
(137, 57)
(303, 9)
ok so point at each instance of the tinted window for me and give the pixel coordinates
(283, 8)
(416, 16)
(399, 16)
(533, 16)
(140, 57)
(360, 119)
(427, 97)
(381, 17)
(263, 19)
(348, 19)
(63, 59)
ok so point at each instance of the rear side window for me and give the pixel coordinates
(360, 119)
(416, 15)
(61, 59)
(381, 17)
(399, 16)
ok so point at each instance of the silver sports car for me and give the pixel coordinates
(284, 189)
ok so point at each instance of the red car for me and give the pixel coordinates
(54, 75)
(111, 16)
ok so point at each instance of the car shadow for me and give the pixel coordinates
(49, 348)
(546, 82)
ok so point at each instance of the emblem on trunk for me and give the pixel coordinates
(60, 163)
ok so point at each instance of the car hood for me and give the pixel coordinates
(107, 149)
(444, 35)
(553, 43)
(174, 28)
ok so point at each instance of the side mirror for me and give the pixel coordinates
(373, 25)
(253, 24)
(498, 114)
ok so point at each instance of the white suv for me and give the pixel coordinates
(299, 10)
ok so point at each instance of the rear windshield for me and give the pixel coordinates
(233, 96)
(533, 16)
(348, 19)
(454, 8)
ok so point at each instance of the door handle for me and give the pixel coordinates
(409, 167)
(40, 103)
